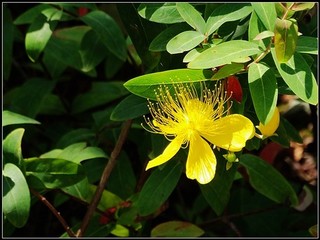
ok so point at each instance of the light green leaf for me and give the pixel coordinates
(9, 118)
(129, 108)
(109, 32)
(12, 147)
(145, 85)
(158, 187)
(307, 45)
(227, 70)
(192, 54)
(266, 12)
(226, 13)
(285, 38)
(176, 229)
(191, 16)
(52, 173)
(265, 179)
(120, 231)
(263, 90)
(40, 32)
(16, 196)
(224, 53)
(255, 28)
(298, 76)
(263, 35)
(184, 41)
(160, 12)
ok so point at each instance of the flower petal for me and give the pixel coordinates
(201, 162)
(270, 128)
(168, 152)
(230, 132)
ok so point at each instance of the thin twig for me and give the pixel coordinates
(54, 211)
(104, 178)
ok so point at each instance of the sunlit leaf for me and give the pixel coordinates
(306, 44)
(266, 12)
(12, 152)
(9, 118)
(191, 16)
(184, 41)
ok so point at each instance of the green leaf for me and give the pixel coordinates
(298, 76)
(8, 37)
(285, 39)
(224, 53)
(76, 153)
(176, 229)
(40, 32)
(292, 132)
(52, 173)
(266, 12)
(192, 54)
(226, 13)
(263, 35)
(29, 16)
(184, 41)
(217, 192)
(302, 6)
(255, 28)
(16, 196)
(263, 90)
(266, 180)
(101, 93)
(160, 42)
(52, 105)
(120, 231)
(145, 85)
(158, 187)
(12, 147)
(191, 16)
(54, 66)
(109, 32)
(227, 70)
(74, 136)
(137, 106)
(307, 45)
(10, 118)
(160, 12)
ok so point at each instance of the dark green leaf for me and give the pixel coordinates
(266, 12)
(52, 173)
(191, 16)
(160, 12)
(145, 85)
(100, 94)
(158, 187)
(217, 192)
(29, 16)
(264, 91)
(226, 13)
(227, 70)
(129, 108)
(9, 118)
(16, 196)
(8, 36)
(184, 41)
(307, 45)
(298, 76)
(255, 28)
(109, 32)
(267, 180)
(74, 136)
(176, 229)
(285, 39)
(52, 105)
(12, 147)
(224, 53)
(292, 132)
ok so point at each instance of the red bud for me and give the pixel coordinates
(82, 11)
(234, 89)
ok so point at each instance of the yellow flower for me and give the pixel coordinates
(271, 126)
(186, 119)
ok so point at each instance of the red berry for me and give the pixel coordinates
(234, 89)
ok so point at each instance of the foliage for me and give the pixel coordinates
(77, 79)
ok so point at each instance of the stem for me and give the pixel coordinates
(262, 55)
(287, 11)
(54, 211)
(104, 178)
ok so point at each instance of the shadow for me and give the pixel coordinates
(150, 8)
(7, 185)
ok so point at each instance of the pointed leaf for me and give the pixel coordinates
(12, 147)
(265, 179)
(263, 90)
(263, 35)
(16, 196)
(266, 12)
(145, 85)
(176, 229)
(285, 39)
(29, 16)
(191, 16)
(9, 118)
(227, 70)
(184, 41)
(298, 76)
(224, 53)
(226, 13)
(158, 187)
(109, 32)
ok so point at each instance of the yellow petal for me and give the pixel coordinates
(270, 128)
(201, 162)
(230, 132)
(168, 153)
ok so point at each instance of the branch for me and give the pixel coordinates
(54, 211)
(104, 178)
